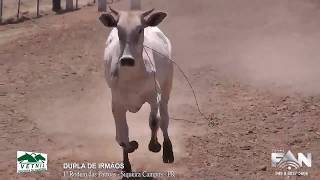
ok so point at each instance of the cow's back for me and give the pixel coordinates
(160, 55)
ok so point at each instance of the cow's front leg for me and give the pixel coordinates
(122, 131)
(126, 162)
(122, 134)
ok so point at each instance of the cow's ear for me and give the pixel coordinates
(108, 20)
(155, 19)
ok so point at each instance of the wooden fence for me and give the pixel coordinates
(69, 6)
(14, 8)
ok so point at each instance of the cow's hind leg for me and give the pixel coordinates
(167, 155)
(154, 145)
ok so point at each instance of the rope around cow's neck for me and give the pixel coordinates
(184, 75)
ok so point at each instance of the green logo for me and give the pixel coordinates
(31, 161)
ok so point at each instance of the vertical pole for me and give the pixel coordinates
(56, 5)
(102, 5)
(1, 5)
(77, 4)
(38, 8)
(18, 9)
(69, 5)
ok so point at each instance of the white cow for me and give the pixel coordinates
(137, 75)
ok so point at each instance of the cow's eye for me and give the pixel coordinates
(140, 30)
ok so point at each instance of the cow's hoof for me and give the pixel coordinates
(154, 146)
(133, 145)
(167, 155)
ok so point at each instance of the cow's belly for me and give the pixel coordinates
(133, 101)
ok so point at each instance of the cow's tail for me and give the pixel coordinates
(135, 4)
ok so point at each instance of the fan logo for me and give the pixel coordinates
(288, 164)
(31, 161)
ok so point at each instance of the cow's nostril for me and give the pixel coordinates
(127, 62)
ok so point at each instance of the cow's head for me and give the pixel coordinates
(130, 26)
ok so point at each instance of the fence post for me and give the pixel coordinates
(69, 5)
(1, 5)
(18, 9)
(56, 5)
(102, 5)
(77, 6)
(38, 8)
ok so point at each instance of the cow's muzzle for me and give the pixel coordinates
(127, 61)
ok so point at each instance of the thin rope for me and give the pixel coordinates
(210, 120)
(186, 78)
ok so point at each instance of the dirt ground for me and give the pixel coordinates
(254, 66)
